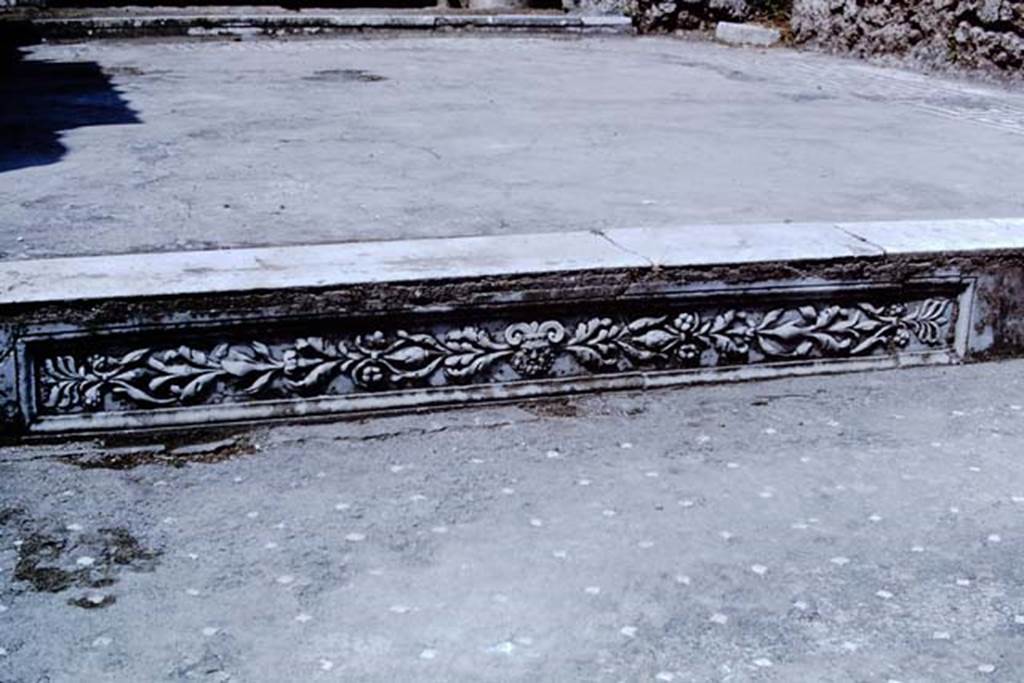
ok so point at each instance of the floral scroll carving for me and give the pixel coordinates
(376, 361)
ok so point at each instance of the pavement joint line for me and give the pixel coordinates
(631, 252)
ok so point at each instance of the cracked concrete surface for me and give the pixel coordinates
(773, 531)
(177, 144)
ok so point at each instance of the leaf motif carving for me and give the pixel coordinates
(184, 374)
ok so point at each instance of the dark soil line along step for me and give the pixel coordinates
(189, 338)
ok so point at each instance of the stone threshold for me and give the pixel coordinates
(142, 341)
(200, 24)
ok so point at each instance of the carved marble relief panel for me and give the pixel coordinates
(343, 357)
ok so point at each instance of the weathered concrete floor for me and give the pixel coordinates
(155, 145)
(860, 528)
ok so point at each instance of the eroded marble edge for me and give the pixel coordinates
(283, 267)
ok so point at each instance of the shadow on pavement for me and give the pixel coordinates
(40, 99)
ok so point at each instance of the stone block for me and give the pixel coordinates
(747, 34)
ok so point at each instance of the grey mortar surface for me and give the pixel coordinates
(865, 529)
(306, 141)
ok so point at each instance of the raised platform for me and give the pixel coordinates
(128, 146)
(337, 226)
(144, 341)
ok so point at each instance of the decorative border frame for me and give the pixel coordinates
(224, 372)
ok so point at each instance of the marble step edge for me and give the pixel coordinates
(131, 342)
(210, 23)
(452, 258)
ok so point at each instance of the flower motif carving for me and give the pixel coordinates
(380, 361)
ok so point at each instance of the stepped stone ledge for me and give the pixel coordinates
(140, 341)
